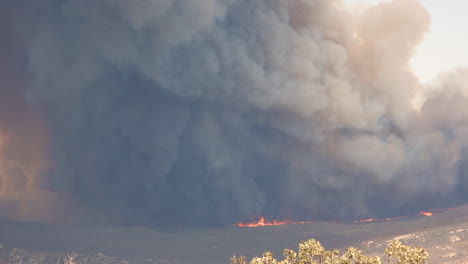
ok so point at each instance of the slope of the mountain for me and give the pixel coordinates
(444, 235)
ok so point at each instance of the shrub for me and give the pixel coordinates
(405, 254)
(312, 252)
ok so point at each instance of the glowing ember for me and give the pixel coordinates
(263, 222)
(425, 213)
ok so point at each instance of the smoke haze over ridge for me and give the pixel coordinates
(216, 111)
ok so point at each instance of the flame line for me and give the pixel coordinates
(262, 222)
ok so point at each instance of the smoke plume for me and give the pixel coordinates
(216, 111)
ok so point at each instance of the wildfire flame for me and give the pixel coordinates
(262, 222)
(425, 213)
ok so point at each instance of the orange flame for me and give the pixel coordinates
(425, 213)
(263, 222)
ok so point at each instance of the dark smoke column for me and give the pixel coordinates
(216, 111)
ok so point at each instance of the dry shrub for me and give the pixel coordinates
(312, 252)
(70, 258)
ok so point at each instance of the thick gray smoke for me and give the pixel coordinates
(217, 111)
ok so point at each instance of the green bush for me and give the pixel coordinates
(312, 252)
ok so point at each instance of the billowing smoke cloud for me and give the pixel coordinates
(216, 111)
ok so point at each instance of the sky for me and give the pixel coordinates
(444, 48)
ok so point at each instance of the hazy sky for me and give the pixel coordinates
(444, 48)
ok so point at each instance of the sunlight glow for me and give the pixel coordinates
(444, 47)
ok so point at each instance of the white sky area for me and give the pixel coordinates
(445, 47)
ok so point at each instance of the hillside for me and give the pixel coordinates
(444, 235)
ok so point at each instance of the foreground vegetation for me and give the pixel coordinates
(312, 252)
